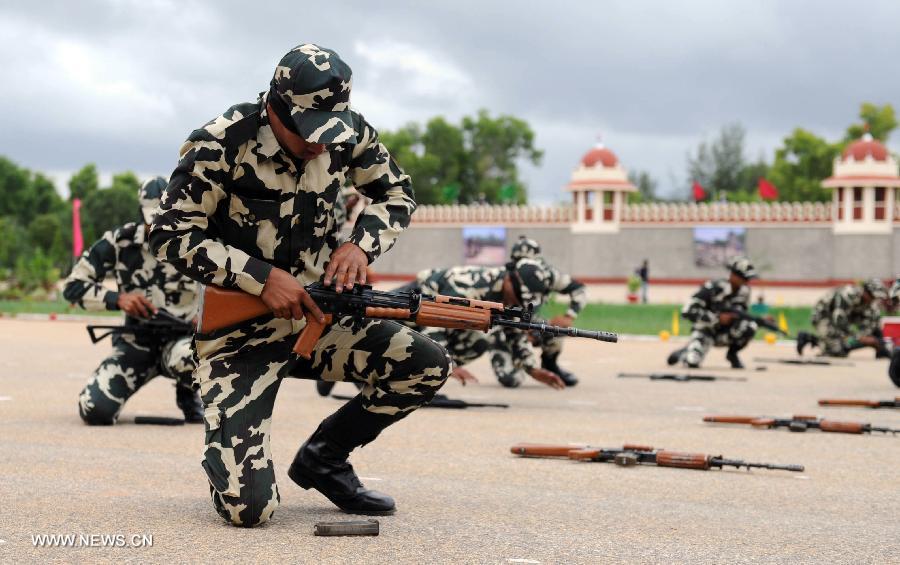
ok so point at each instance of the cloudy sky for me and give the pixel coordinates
(121, 83)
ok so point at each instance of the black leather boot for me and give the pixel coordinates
(321, 463)
(188, 400)
(324, 387)
(732, 356)
(549, 362)
(675, 356)
(804, 339)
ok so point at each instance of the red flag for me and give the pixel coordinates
(767, 190)
(699, 193)
(77, 238)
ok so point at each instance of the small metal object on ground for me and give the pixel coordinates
(158, 421)
(351, 528)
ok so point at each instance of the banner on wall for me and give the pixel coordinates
(484, 245)
(714, 246)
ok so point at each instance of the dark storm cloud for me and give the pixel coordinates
(122, 83)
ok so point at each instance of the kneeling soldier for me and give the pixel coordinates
(836, 314)
(713, 312)
(143, 286)
(251, 207)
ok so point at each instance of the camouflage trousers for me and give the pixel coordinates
(503, 356)
(463, 346)
(734, 336)
(400, 370)
(130, 366)
(833, 341)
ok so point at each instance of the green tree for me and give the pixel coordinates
(41, 198)
(800, 166)
(646, 186)
(107, 209)
(879, 121)
(14, 187)
(717, 165)
(126, 181)
(12, 242)
(84, 183)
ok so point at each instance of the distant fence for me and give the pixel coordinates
(637, 214)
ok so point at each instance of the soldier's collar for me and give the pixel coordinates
(268, 143)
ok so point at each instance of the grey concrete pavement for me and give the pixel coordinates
(461, 496)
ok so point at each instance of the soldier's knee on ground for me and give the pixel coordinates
(241, 512)
(509, 380)
(97, 417)
(95, 408)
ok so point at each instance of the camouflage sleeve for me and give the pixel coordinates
(179, 233)
(84, 286)
(429, 281)
(375, 174)
(699, 308)
(869, 323)
(575, 290)
(840, 313)
(894, 293)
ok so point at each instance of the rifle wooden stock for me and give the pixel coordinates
(731, 419)
(841, 427)
(544, 450)
(223, 307)
(682, 460)
(842, 402)
(583, 454)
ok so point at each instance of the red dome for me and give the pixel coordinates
(861, 148)
(599, 155)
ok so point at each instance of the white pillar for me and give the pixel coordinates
(598, 206)
(579, 206)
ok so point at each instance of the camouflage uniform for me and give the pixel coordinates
(836, 314)
(236, 206)
(135, 360)
(481, 283)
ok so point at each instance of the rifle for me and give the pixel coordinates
(221, 308)
(803, 361)
(677, 377)
(760, 321)
(801, 424)
(895, 403)
(442, 401)
(162, 327)
(629, 455)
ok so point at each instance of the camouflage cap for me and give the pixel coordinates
(312, 84)
(149, 195)
(524, 248)
(742, 267)
(875, 287)
(534, 279)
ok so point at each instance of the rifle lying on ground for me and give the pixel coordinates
(801, 424)
(629, 455)
(802, 361)
(222, 308)
(163, 326)
(895, 403)
(442, 401)
(677, 377)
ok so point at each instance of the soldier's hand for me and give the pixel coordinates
(549, 378)
(726, 318)
(286, 297)
(563, 321)
(463, 376)
(346, 267)
(869, 341)
(136, 305)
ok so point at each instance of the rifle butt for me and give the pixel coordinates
(222, 307)
(847, 402)
(544, 450)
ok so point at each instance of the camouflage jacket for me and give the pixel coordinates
(894, 293)
(843, 308)
(714, 297)
(124, 253)
(237, 204)
(478, 283)
(575, 290)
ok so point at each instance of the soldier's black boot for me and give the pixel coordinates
(675, 356)
(324, 387)
(732, 356)
(188, 401)
(549, 362)
(804, 339)
(321, 463)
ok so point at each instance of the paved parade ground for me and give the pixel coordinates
(461, 496)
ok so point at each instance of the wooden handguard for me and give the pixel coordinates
(393, 313)
(841, 402)
(309, 335)
(453, 316)
(583, 454)
(682, 460)
(544, 450)
(841, 427)
(223, 308)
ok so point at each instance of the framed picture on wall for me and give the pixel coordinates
(484, 245)
(715, 245)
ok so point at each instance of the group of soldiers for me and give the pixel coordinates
(258, 203)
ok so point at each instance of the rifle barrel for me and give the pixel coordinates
(610, 337)
(720, 462)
